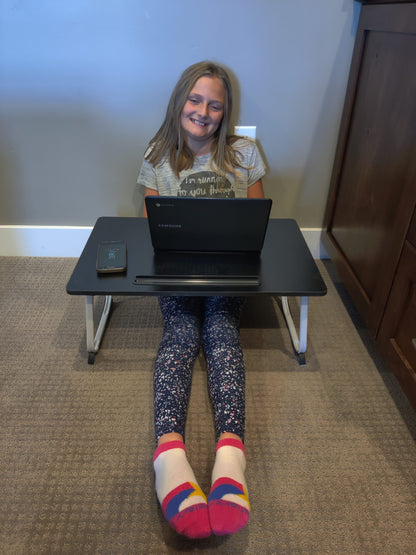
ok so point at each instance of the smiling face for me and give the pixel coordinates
(202, 113)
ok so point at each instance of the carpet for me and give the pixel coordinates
(331, 455)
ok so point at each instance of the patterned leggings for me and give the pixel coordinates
(188, 320)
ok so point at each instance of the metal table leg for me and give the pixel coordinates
(299, 342)
(94, 338)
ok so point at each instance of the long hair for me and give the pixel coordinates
(169, 140)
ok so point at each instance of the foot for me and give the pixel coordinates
(183, 503)
(228, 504)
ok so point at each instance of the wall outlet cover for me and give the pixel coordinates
(245, 131)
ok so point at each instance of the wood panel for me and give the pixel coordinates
(397, 336)
(373, 194)
(411, 236)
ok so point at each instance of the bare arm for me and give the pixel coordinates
(256, 190)
(149, 193)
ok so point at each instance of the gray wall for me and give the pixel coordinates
(84, 85)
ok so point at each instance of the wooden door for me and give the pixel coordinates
(373, 187)
(397, 337)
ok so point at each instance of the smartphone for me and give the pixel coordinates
(111, 257)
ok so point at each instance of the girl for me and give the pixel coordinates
(192, 155)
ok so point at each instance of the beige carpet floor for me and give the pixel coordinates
(330, 445)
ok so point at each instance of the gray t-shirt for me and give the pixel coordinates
(201, 180)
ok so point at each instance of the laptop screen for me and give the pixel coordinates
(207, 224)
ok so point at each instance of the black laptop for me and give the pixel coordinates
(206, 241)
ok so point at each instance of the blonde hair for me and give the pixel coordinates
(169, 140)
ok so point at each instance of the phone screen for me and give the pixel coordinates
(111, 257)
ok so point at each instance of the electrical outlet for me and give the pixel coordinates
(245, 131)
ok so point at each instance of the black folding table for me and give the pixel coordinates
(287, 269)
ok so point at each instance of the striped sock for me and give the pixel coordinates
(228, 503)
(183, 503)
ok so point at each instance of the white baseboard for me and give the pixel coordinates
(60, 241)
(313, 239)
(56, 241)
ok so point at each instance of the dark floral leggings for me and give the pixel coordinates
(214, 321)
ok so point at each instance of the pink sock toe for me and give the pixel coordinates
(225, 516)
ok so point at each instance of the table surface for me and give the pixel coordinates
(287, 267)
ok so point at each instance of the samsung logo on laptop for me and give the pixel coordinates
(176, 226)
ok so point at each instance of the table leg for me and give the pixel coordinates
(299, 342)
(94, 338)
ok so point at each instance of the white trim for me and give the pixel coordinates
(312, 237)
(61, 241)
